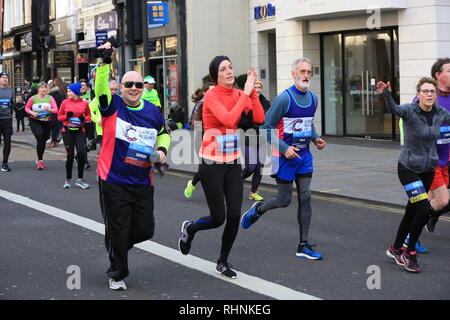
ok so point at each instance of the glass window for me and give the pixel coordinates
(155, 47)
(171, 46)
(332, 75)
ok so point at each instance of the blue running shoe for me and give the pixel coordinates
(251, 215)
(305, 251)
(419, 248)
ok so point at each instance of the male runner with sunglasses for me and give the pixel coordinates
(134, 136)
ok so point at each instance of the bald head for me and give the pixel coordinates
(132, 76)
(132, 96)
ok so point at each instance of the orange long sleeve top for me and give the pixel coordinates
(222, 110)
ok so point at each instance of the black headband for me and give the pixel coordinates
(214, 67)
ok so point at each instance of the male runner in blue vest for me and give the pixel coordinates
(290, 129)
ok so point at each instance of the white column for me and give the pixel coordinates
(423, 38)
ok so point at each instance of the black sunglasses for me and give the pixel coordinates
(130, 84)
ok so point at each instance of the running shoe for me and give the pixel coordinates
(67, 184)
(5, 168)
(117, 285)
(40, 164)
(224, 268)
(395, 254)
(184, 243)
(82, 184)
(255, 196)
(190, 188)
(251, 215)
(419, 248)
(409, 260)
(431, 224)
(305, 251)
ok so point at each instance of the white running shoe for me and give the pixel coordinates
(82, 184)
(117, 285)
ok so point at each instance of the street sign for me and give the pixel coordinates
(100, 37)
(158, 13)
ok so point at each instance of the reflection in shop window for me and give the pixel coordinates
(171, 46)
(155, 48)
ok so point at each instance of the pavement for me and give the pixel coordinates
(354, 168)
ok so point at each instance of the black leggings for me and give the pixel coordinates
(20, 121)
(221, 181)
(6, 130)
(75, 139)
(416, 214)
(253, 165)
(41, 131)
(196, 178)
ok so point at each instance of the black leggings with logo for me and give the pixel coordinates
(75, 139)
(221, 181)
(417, 213)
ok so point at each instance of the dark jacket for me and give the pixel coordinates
(246, 122)
(177, 115)
(58, 95)
(264, 102)
(19, 109)
(419, 152)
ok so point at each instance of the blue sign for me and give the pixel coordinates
(265, 11)
(100, 37)
(158, 13)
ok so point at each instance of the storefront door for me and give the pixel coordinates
(351, 70)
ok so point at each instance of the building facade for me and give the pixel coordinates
(352, 44)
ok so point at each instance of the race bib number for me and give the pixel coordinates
(416, 191)
(301, 130)
(141, 143)
(43, 115)
(74, 122)
(139, 155)
(228, 143)
(444, 137)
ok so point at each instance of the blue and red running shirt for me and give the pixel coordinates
(130, 136)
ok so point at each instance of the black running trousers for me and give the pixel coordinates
(41, 131)
(221, 181)
(75, 139)
(128, 215)
(6, 130)
(416, 214)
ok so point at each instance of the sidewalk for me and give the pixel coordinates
(355, 168)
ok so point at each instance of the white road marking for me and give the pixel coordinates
(245, 281)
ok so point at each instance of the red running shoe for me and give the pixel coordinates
(40, 165)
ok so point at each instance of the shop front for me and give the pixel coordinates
(97, 28)
(164, 53)
(61, 60)
(11, 63)
(352, 45)
(352, 63)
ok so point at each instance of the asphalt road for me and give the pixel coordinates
(38, 250)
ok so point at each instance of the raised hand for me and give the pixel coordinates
(250, 83)
(381, 86)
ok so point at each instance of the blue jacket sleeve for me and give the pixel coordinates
(279, 108)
